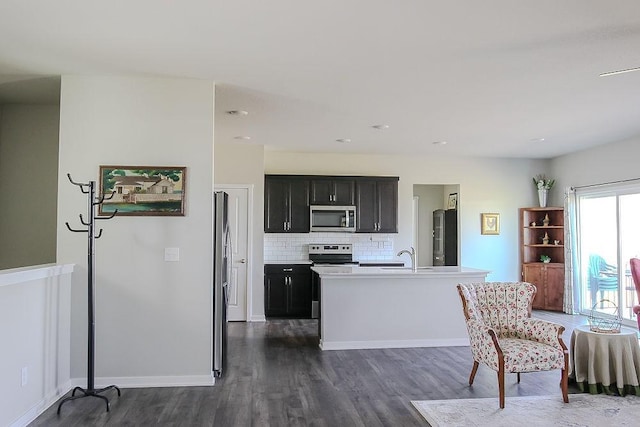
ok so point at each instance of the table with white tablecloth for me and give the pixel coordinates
(605, 362)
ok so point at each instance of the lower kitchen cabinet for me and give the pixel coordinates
(549, 281)
(287, 290)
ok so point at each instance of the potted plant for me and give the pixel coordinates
(545, 258)
(543, 185)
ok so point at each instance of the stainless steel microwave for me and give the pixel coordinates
(333, 218)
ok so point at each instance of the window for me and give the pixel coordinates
(608, 236)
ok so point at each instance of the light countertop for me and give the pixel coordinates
(299, 261)
(355, 271)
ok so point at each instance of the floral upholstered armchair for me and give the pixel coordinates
(503, 335)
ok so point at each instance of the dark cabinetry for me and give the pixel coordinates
(287, 290)
(332, 191)
(287, 199)
(445, 237)
(286, 204)
(377, 205)
(541, 238)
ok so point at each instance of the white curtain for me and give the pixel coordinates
(571, 277)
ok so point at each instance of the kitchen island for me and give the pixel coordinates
(366, 307)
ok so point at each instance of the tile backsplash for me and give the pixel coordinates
(295, 246)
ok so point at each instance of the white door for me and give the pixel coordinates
(239, 226)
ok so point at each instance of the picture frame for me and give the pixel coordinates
(143, 190)
(490, 223)
(453, 201)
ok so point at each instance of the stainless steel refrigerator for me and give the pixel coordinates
(445, 237)
(221, 277)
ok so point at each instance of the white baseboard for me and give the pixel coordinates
(44, 404)
(143, 382)
(122, 382)
(364, 345)
(258, 318)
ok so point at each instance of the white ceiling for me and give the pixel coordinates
(491, 78)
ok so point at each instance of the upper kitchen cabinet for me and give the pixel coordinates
(286, 204)
(377, 205)
(332, 191)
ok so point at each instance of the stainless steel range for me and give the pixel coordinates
(331, 254)
(327, 254)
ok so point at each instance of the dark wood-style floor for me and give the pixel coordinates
(277, 376)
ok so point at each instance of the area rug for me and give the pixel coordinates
(582, 410)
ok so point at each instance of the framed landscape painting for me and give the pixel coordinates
(143, 190)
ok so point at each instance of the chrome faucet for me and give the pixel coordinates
(412, 253)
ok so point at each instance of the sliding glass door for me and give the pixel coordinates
(608, 226)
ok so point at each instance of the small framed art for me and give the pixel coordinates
(453, 201)
(490, 223)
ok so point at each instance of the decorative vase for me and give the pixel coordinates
(545, 221)
(542, 197)
(545, 239)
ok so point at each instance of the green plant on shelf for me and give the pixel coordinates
(545, 258)
(542, 183)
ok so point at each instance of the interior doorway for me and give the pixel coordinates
(426, 199)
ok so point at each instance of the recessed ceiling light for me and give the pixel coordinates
(537, 140)
(237, 112)
(613, 73)
(345, 140)
(242, 137)
(380, 127)
(439, 143)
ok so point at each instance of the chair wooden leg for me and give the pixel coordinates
(473, 372)
(518, 377)
(564, 385)
(564, 382)
(501, 384)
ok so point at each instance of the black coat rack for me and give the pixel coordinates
(92, 202)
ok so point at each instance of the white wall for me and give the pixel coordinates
(28, 186)
(35, 306)
(597, 165)
(153, 318)
(243, 163)
(486, 185)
